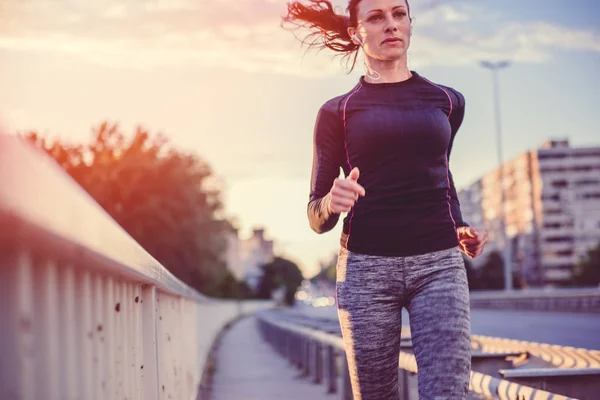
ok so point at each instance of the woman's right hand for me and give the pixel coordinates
(345, 192)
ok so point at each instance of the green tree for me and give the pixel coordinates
(492, 272)
(587, 271)
(473, 275)
(161, 196)
(327, 272)
(225, 285)
(331, 273)
(280, 272)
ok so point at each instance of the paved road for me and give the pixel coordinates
(247, 368)
(565, 329)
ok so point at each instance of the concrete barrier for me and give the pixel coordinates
(85, 311)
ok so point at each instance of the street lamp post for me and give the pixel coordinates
(495, 67)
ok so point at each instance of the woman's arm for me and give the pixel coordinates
(328, 156)
(456, 119)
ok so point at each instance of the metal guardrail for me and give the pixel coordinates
(548, 355)
(85, 311)
(583, 300)
(556, 356)
(321, 356)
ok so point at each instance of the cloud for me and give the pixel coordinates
(246, 34)
(240, 34)
(519, 42)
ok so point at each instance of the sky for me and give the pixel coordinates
(223, 80)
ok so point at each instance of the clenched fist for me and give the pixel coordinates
(472, 241)
(345, 192)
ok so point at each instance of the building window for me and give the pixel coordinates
(553, 169)
(553, 197)
(552, 225)
(560, 184)
(559, 239)
(545, 156)
(563, 267)
(584, 182)
(555, 211)
(561, 253)
(589, 153)
(581, 168)
(587, 196)
(564, 253)
(558, 225)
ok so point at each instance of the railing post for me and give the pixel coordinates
(281, 341)
(346, 384)
(294, 350)
(290, 344)
(300, 352)
(150, 380)
(17, 364)
(404, 390)
(331, 369)
(306, 355)
(318, 362)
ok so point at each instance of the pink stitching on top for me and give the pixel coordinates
(348, 157)
(447, 161)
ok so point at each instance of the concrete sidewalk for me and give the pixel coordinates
(247, 368)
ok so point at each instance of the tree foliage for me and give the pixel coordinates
(280, 273)
(158, 194)
(472, 274)
(587, 271)
(490, 276)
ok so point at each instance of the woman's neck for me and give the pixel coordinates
(379, 71)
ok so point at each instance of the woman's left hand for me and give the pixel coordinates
(471, 240)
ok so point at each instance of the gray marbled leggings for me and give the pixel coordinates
(433, 287)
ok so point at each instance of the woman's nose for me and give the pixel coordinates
(391, 25)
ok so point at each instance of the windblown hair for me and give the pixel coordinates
(327, 29)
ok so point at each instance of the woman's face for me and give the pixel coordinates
(384, 28)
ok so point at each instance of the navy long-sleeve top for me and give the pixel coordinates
(399, 135)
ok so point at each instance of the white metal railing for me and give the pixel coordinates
(320, 356)
(85, 311)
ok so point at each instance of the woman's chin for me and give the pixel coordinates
(392, 55)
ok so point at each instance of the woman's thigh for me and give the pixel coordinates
(369, 309)
(439, 311)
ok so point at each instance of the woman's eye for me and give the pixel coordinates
(375, 18)
(400, 14)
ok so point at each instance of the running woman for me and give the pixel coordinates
(403, 233)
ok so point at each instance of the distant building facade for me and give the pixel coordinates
(551, 207)
(245, 257)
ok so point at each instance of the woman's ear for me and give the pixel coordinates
(354, 36)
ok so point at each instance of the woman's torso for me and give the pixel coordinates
(398, 135)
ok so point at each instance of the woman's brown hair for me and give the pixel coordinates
(327, 29)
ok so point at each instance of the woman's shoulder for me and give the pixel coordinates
(335, 105)
(456, 96)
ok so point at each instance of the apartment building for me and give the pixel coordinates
(567, 204)
(245, 257)
(551, 208)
